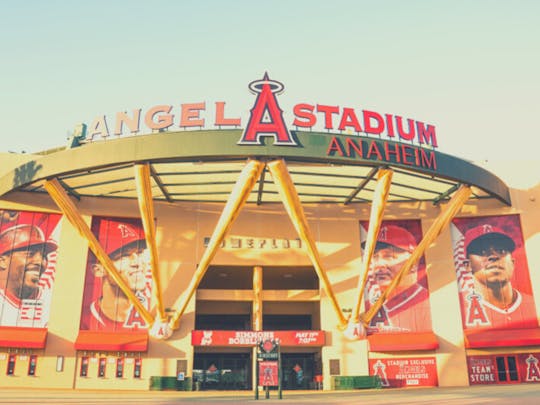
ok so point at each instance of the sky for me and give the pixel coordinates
(471, 68)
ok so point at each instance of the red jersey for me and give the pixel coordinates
(478, 313)
(96, 319)
(407, 311)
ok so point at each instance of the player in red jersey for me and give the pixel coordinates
(23, 257)
(113, 311)
(493, 301)
(407, 307)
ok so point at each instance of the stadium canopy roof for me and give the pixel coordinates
(203, 166)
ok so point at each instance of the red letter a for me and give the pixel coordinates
(266, 117)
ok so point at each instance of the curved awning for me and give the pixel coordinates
(204, 165)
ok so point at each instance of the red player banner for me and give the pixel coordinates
(105, 306)
(407, 308)
(28, 256)
(268, 374)
(405, 372)
(252, 338)
(492, 273)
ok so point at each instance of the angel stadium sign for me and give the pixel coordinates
(266, 121)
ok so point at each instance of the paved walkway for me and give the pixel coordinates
(496, 394)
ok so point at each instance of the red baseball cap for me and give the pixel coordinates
(393, 235)
(115, 235)
(487, 233)
(23, 237)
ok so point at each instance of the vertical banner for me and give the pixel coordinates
(405, 372)
(492, 273)
(28, 256)
(407, 308)
(268, 374)
(105, 306)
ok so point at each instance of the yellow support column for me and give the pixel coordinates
(257, 298)
(378, 205)
(239, 195)
(61, 199)
(292, 204)
(146, 207)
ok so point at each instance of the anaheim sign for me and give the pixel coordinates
(266, 120)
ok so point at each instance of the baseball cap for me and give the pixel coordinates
(115, 236)
(22, 237)
(482, 234)
(393, 235)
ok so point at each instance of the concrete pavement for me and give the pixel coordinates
(496, 394)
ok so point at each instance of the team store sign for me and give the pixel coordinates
(266, 120)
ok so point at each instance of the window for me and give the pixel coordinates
(137, 368)
(32, 364)
(102, 367)
(119, 367)
(84, 366)
(11, 364)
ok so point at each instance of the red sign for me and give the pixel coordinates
(482, 370)
(252, 338)
(268, 373)
(504, 368)
(266, 119)
(409, 372)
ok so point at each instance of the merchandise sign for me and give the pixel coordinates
(405, 372)
(250, 338)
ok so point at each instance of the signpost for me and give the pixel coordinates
(268, 367)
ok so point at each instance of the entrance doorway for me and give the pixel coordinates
(507, 369)
(222, 371)
(298, 371)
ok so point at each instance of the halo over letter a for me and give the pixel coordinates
(266, 117)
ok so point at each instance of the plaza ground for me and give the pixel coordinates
(495, 394)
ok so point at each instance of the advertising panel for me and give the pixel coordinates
(252, 338)
(28, 256)
(504, 368)
(492, 273)
(405, 372)
(268, 374)
(105, 306)
(407, 307)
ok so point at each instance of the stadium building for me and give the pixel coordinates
(179, 252)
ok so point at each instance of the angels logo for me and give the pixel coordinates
(476, 314)
(126, 231)
(533, 372)
(379, 368)
(266, 117)
(207, 338)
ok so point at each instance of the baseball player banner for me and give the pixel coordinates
(105, 306)
(405, 372)
(492, 273)
(407, 307)
(28, 255)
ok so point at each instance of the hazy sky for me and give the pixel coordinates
(471, 67)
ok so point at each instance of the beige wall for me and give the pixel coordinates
(181, 229)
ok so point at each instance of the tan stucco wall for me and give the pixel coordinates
(181, 229)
